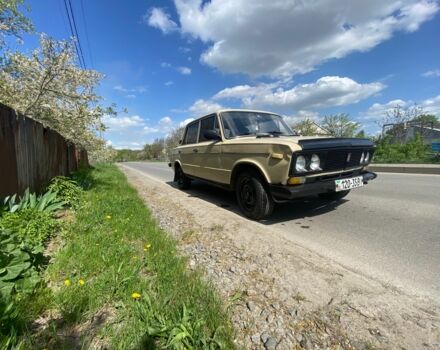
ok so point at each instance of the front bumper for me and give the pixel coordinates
(284, 192)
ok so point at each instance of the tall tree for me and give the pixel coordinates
(51, 88)
(428, 120)
(173, 139)
(340, 125)
(395, 121)
(305, 127)
(12, 21)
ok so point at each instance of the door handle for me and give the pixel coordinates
(195, 150)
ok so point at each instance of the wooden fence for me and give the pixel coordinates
(30, 154)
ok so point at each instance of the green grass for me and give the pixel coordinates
(117, 249)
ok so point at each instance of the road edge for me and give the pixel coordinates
(429, 169)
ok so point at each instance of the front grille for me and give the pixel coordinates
(336, 159)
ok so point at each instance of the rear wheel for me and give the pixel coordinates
(334, 196)
(183, 182)
(253, 199)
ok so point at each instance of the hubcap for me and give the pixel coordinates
(247, 194)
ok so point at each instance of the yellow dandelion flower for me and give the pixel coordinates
(136, 295)
(81, 282)
(109, 217)
(147, 246)
(67, 283)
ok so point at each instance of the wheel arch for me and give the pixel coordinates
(177, 164)
(247, 165)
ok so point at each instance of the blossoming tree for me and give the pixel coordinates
(50, 87)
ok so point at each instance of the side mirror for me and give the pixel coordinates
(211, 135)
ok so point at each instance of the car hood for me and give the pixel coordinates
(304, 142)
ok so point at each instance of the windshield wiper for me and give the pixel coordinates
(274, 133)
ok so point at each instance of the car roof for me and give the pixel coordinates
(230, 110)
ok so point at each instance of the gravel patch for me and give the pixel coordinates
(283, 296)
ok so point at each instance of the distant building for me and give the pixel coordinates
(405, 132)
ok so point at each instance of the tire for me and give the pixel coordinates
(253, 199)
(334, 196)
(183, 182)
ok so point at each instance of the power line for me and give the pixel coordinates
(87, 34)
(74, 33)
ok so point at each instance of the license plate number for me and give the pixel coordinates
(347, 184)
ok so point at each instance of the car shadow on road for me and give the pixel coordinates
(294, 210)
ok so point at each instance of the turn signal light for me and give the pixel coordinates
(296, 180)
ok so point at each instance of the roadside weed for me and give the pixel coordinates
(67, 190)
(47, 202)
(131, 267)
(33, 227)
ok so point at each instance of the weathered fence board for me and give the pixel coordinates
(30, 154)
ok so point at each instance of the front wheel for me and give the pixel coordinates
(183, 182)
(334, 196)
(253, 199)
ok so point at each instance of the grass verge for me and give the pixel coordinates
(119, 282)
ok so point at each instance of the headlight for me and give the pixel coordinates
(362, 158)
(315, 163)
(367, 157)
(300, 165)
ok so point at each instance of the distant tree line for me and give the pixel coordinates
(390, 145)
(393, 143)
(160, 149)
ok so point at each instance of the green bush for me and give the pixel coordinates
(47, 202)
(67, 190)
(19, 276)
(18, 266)
(414, 151)
(32, 227)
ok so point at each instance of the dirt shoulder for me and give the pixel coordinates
(282, 295)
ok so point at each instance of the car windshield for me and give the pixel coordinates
(242, 123)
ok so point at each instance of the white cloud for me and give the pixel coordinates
(435, 73)
(432, 105)
(130, 96)
(159, 19)
(327, 91)
(301, 115)
(243, 36)
(138, 89)
(119, 123)
(127, 145)
(150, 130)
(164, 125)
(185, 122)
(378, 110)
(202, 107)
(136, 130)
(169, 83)
(184, 70)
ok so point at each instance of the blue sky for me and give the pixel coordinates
(167, 61)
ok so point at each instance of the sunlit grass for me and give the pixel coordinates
(116, 259)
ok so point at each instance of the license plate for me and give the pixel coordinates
(347, 184)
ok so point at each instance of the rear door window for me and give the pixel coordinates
(191, 133)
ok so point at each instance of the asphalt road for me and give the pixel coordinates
(388, 230)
